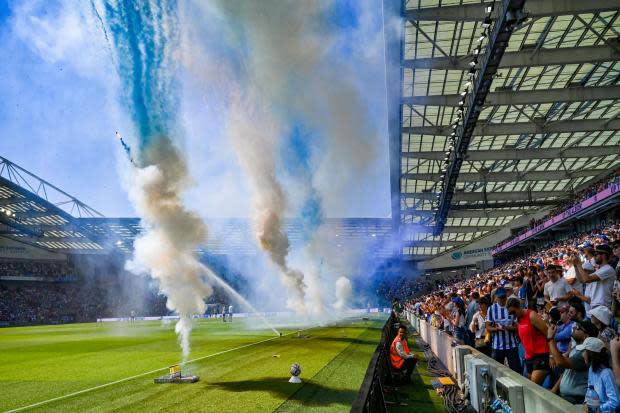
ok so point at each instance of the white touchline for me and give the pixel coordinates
(101, 386)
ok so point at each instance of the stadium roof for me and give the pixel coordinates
(35, 212)
(539, 121)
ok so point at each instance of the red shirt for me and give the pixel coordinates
(534, 342)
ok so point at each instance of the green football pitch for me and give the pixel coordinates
(110, 367)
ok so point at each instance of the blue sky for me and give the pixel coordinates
(60, 109)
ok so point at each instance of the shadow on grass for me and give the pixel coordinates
(310, 393)
(351, 340)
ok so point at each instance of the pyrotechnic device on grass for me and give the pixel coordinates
(175, 376)
(295, 372)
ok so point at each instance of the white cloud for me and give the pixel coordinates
(68, 33)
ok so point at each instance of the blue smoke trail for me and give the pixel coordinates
(297, 157)
(144, 35)
(126, 148)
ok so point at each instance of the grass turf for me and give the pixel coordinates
(41, 363)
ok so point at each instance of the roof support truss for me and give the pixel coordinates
(491, 196)
(534, 8)
(524, 97)
(510, 13)
(409, 228)
(432, 243)
(492, 129)
(526, 153)
(512, 204)
(393, 78)
(508, 176)
(474, 213)
(525, 58)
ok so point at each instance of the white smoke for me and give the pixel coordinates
(338, 256)
(291, 65)
(255, 136)
(291, 72)
(343, 293)
(171, 234)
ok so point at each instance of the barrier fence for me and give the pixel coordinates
(378, 378)
(486, 380)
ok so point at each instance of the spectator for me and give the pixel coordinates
(401, 358)
(571, 277)
(576, 311)
(600, 282)
(539, 289)
(533, 334)
(521, 291)
(472, 309)
(600, 376)
(502, 328)
(573, 383)
(616, 290)
(478, 327)
(589, 263)
(564, 328)
(615, 358)
(616, 249)
(601, 318)
(458, 320)
(556, 290)
(529, 285)
(510, 291)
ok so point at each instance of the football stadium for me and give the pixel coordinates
(290, 206)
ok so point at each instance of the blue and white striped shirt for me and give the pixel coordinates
(501, 340)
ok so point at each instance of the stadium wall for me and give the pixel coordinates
(10, 249)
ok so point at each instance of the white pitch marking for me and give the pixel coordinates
(101, 386)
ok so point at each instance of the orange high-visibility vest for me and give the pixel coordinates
(396, 360)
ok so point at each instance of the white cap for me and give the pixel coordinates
(602, 313)
(591, 343)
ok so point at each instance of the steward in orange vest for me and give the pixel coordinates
(401, 358)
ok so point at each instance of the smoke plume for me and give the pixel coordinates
(293, 60)
(343, 292)
(255, 137)
(171, 234)
(145, 38)
(290, 65)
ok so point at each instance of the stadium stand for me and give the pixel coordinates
(505, 183)
(595, 188)
(527, 277)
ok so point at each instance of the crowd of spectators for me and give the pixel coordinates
(549, 316)
(590, 191)
(31, 268)
(41, 292)
(38, 304)
(406, 287)
(586, 193)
